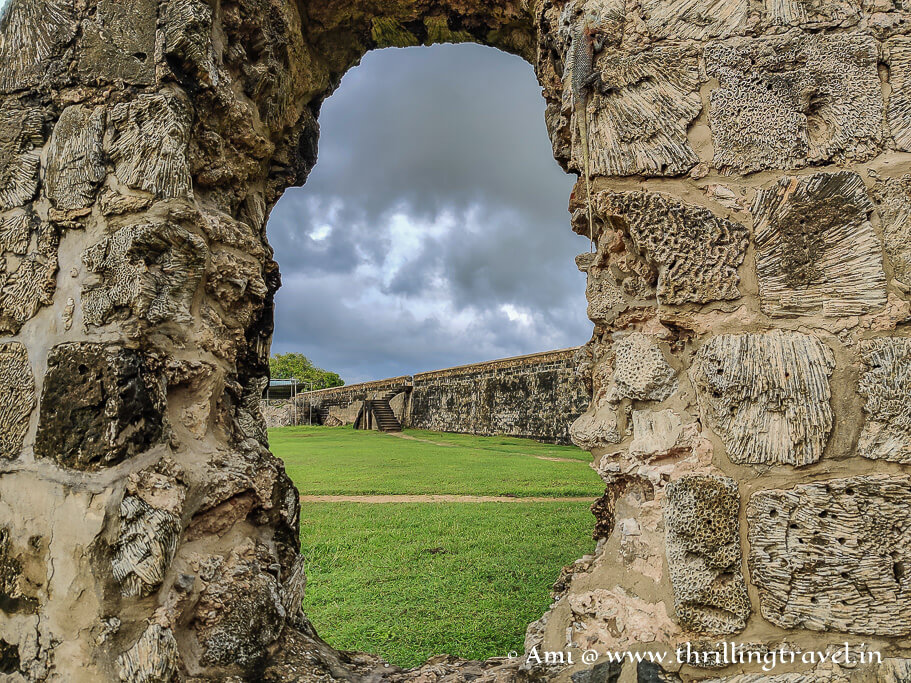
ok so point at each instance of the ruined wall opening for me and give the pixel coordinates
(432, 233)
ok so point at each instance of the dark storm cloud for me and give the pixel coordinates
(433, 230)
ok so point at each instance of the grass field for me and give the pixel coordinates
(342, 460)
(410, 580)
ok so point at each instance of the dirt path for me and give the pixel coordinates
(443, 498)
(402, 435)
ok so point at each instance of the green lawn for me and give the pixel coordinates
(342, 460)
(411, 580)
(378, 581)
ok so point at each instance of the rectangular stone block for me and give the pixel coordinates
(147, 140)
(816, 250)
(886, 386)
(898, 57)
(788, 100)
(766, 395)
(696, 253)
(101, 404)
(638, 117)
(834, 555)
(703, 554)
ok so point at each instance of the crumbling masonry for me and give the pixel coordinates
(749, 367)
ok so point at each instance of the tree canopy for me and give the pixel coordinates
(297, 365)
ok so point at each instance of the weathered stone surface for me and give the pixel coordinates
(118, 42)
(596, 614)
(153, 658)
(22, 574)
(75, 161)
(696, 19)
(703, 554)
(605, 672)
(21, 138)
(696, 253)
(187, 39)
(886, 386)
(100, 405)
(816, 251)
(766, 395)
(150, 270)
(595, 428)
(603, 293)
(833, 555)
(661, 434)
(635, 370)
(27, 275)
(535, 396)
(16, 228)
(32, 34)
(893, 196)
(869, 670)
(790, 100)
(641, 372)
(898, 57)
(17, 398)
(240, 612)
(236, 283)
(650, 672)
(248, 416)
(147, 141)
(813, 14)
(146, 546)
(293, 590)
(227, 94)
(639, 116)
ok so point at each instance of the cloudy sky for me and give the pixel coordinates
(433, 230)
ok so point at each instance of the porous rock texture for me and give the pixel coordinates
(100, 405)
(748, 288)
(792, 99)
(893, 197)
(833, 555)
(696, 254)
(703, 554)
(886, 386)
(17, 397)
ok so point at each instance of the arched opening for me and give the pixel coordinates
(431, 234)
(142, 145)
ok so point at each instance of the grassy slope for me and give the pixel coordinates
(341, 460)
(373, 585)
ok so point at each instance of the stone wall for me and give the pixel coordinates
(751, 328)
(749, 289)
(344, 404)
(536, 397)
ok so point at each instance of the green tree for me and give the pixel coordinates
(297, 365)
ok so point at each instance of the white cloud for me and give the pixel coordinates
(515, 315)
(320, 232)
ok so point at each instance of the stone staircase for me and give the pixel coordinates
(386, 421)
